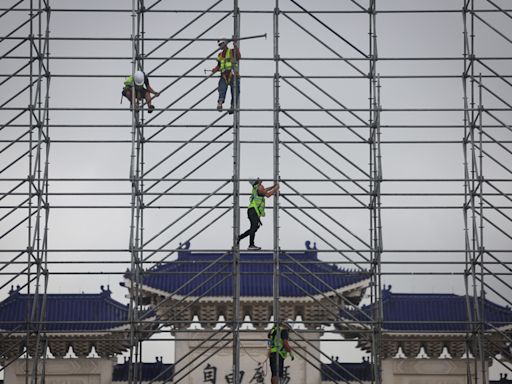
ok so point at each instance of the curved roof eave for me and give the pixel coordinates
(360, 285)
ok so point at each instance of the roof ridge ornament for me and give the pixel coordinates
(309, 247)
(184, 249)
(105, 292)
(14, 291)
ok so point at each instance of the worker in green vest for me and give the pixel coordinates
(139, 82)
(227, 65)
(256, 210)
(278, 350)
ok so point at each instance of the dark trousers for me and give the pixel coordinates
(276, 364)
(255, 224)
(223, 88)
(140, 92)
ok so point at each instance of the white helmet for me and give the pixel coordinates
(138, 77)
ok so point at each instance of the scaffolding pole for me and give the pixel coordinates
(237, 378)
(312, 126)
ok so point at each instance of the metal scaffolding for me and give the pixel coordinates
(25, 133)
(340, 108)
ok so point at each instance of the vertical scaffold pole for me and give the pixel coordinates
(276, 107)
(236, 205)
(136, 208)
(38, 211)
(467, 178)
(480, 300)
(139, 240)
(375, 201)
(473, 204)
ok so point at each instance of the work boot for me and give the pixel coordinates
(219, 107)
(253, 247)
(231, 110)
(151, 108)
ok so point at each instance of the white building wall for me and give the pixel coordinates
(427, 371)
(202, 364)
(64, 371)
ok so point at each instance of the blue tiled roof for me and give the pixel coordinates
(157, 371)
(347, 372)
(210, 274)
(65, 312)
(434, 312)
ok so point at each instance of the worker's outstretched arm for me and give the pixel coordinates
(288, 349)
(151, 90)
(217, 67)
(262, 191)
(273, 189)
(237, 51)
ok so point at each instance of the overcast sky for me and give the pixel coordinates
(88, 74)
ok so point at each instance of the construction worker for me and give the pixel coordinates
(278, 350)
(256, 210)
(227, 64)
(138, 81)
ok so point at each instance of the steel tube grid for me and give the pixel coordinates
(33, 211)
(481, 279)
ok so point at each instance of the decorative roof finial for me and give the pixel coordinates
(14, 291)
(309, 248)
(105, 292)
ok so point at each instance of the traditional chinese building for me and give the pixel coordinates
(76, 323)
(197, 288)
(436, 325)
(200, 286)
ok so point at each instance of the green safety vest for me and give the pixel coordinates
(276, 344)
(257, 202)
(129, 81)
(226, 63)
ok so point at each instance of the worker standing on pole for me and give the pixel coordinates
(227, 65)
(139, 82)
(278, 350)
(256, 209)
